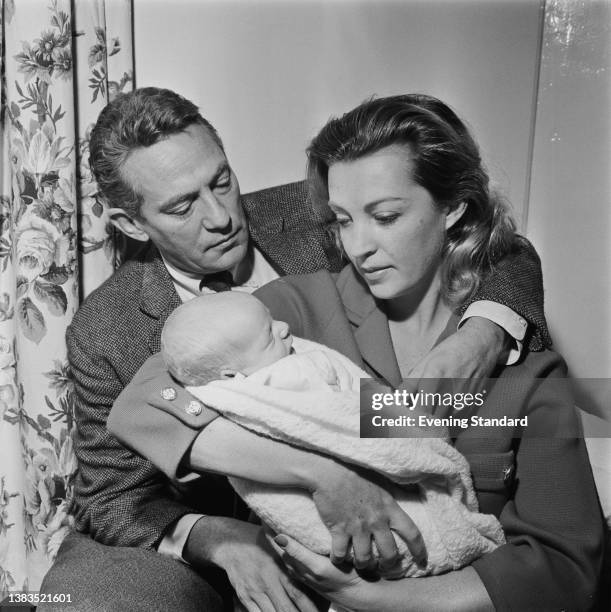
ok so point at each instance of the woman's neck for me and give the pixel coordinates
(420, 310)
(415, 321)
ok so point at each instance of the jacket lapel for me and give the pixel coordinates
(370, 326)
(158, 297)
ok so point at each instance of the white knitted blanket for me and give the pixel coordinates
(443, 505)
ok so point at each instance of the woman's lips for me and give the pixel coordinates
(374, 273)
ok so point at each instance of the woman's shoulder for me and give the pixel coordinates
(307, 286)
(539, 364)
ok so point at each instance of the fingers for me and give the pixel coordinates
(387, 549)
(407, 530)
(361, 547)
(298, 554)
(340, 546)
(302, 602)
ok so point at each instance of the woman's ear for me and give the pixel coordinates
(455, 214)
(126, 224)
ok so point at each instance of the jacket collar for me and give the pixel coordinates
(370, 326)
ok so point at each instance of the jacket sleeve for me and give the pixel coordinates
(552, 523)
(516, 281)
(162, 430)
(119, 498)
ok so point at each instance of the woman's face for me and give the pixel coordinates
(389, 226)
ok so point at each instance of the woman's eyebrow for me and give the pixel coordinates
(374, 203)
(371, 205)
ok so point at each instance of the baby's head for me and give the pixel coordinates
(216, 336)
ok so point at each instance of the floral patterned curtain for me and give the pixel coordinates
(61, 61)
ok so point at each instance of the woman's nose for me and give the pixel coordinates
(215, 215)
(357, 241)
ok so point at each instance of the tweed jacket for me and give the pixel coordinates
(540, 488)
(122, 499)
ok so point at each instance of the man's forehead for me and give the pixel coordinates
(191, 156)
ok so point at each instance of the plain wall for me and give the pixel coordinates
(569, 217)
(269, 74)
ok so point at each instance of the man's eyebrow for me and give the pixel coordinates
(192, 195)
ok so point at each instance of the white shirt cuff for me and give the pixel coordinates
(504, 317)
(174, 541)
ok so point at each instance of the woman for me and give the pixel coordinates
(409, 196)
(404, 183)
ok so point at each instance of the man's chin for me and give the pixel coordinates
(234, 256)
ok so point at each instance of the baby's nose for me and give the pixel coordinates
(284, 329)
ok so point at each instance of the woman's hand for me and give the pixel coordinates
(357, 510)
(254, 570)
(341, 585)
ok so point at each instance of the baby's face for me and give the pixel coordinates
(264, 341)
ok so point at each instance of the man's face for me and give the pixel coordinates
(191, 206)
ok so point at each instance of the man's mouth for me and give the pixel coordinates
(227, 240)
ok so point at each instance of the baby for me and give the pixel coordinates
(231, 334)
(236, 359)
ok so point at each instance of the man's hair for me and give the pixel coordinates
(132, 120)
(446, 162)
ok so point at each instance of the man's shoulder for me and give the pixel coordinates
(108, 308)
(263, 207)
(114, 292)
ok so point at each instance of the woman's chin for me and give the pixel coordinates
(385, 291)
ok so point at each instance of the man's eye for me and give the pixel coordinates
(223, 185)
(182, 210)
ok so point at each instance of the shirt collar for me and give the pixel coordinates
(252, 272)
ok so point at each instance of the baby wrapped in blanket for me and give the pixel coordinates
(232, 356)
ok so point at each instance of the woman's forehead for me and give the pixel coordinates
(386, 175)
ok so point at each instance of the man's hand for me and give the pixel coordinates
(356, 510)
(252, 567)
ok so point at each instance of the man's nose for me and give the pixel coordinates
(215, 215)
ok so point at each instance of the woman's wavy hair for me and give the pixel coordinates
(446, 162)
(133, 120)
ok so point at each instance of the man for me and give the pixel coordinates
(163, 170)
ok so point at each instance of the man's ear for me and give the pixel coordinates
(126, 224)
(455, 214)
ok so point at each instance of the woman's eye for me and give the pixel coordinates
(342, 221)
(386, 219)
